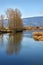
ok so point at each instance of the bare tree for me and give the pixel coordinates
(14, 19)
(2, 21)
(18, 20)
(10, 16)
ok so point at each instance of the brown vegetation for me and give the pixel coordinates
(14, 19)
(33, 28)
(38, 36)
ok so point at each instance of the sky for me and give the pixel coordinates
(28, 8)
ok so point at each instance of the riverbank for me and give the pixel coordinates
(10, 31)
(33, 28)
(30, 28)
(36, 35)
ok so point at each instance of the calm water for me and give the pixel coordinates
(20, 49)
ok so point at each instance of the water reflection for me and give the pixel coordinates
(14, 43)
(31, 51)
(1, 40)
(11, 43)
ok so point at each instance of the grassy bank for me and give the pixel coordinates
(33, 28)
(20, 30)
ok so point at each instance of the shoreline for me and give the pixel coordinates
(29, 28)
(33, 28)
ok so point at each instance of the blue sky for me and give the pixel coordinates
(29, 8)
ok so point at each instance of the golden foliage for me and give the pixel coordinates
(14, 19)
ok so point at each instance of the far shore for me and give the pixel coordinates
(33, 28)
(36, 35)
(30, 28)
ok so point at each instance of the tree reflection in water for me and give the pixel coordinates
(14, 43)
(1, 40)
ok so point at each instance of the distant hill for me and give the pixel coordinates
(33, 21)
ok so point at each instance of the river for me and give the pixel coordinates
(20, 49)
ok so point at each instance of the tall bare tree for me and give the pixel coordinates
(17, 18)
(10, 15)
(2, 21)
(14, 19)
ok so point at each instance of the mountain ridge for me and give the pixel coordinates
(33, 21)
(29, 21)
